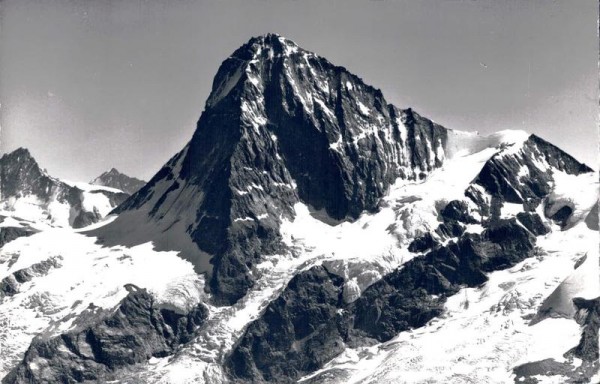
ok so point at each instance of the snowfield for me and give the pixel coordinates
(55, 213)
(81, 273)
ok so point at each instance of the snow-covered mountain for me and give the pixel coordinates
(118, 180)
(312, 232)
(281, 126)
(29, 193)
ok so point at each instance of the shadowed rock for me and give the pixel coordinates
(105, 340)
(309, 324)
(8, 234)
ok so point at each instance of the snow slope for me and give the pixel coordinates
(81, 273)
(580, 193)
(462, 143)
(54, 212)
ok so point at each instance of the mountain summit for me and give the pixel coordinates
(29, 192)
(281, 126)
(21, 174)
(118, 180)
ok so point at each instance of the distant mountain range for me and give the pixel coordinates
(310, 232)
(29, 192)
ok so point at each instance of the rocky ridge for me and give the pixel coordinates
(289, 342)
(102, 341)
(118, 180)
(28, 190)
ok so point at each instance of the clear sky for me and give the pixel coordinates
(90, 85)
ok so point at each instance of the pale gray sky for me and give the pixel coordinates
(90, 85)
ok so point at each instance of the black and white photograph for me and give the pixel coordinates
(299, 191)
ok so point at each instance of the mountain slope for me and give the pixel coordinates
(316, 318)
(492, 227)
(118, 180)
(28, 192)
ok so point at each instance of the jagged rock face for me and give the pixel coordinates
(118, 180)
(414, 294)
(422, 243)
(309, 323)
(457, 210)
(283, 125)
(297, 333)
(526, 174)
(22, 178)
(21, 175)
(440, 273)
(588, 315)
(338, 138)
(523, 175)
(533, 223)
(107, 340)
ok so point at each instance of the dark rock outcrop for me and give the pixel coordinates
(8, 234)
(458, 210)
(533, 222)
(565, 372)
(561, 216)
(104, 340)
(413, 295)
(588, 316)
(422, 243)
(9, 285)
(454, 216)
(309, 323)
(298, 332)
(450, 229)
